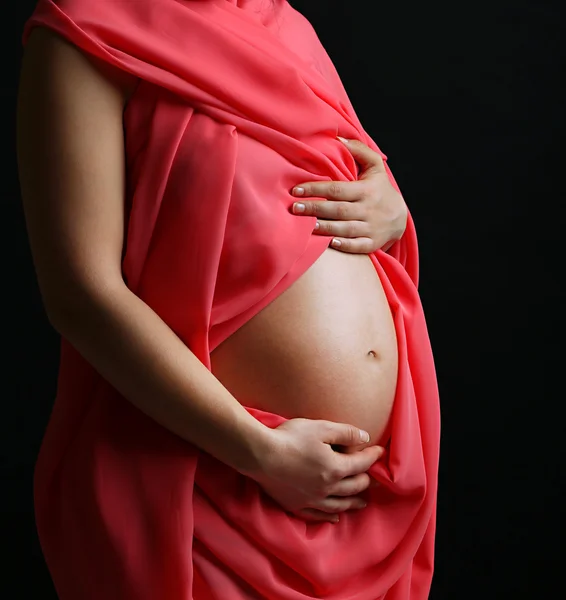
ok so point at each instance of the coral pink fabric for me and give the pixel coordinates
(237, 102)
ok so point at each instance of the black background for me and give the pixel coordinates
(467, 101)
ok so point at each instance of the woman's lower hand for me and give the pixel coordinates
(300, 470)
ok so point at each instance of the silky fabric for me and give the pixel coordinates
(237, 102)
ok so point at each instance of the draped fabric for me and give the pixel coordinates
(237, 102)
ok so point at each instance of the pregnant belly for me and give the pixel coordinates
(325, 348)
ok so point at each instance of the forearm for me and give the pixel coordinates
(137, 353)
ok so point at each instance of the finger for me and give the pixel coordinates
(343, 211)
(372, 162)
(311, 514)
(351, 486)
(331, 190)
(342, 434)
(335, 505)
(342, 229)
(359, 245)
(358, 462)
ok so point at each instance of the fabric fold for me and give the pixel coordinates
(237, 102)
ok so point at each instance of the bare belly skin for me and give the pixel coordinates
(325, 348)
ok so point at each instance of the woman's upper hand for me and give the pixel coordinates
(307, 477)
(362, 216)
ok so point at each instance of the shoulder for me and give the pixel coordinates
(47, 50)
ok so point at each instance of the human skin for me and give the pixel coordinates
(72, 176)
(326, 348)
(306, 354)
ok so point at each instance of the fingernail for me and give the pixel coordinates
(373, 484)
(299, 208)
(362, 505)
(316, 225)
(336, 244)
(343, 140)
(335, 519)
(364, 436)
(298, 191)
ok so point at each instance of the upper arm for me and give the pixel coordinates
(70, 146)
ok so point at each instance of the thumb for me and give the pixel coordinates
(342, 434)
(371, 162)
(360, 462)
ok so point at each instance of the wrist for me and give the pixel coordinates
(257, 444)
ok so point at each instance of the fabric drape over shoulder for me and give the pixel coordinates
(237, 102)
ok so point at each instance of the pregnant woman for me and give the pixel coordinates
(247, 405)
